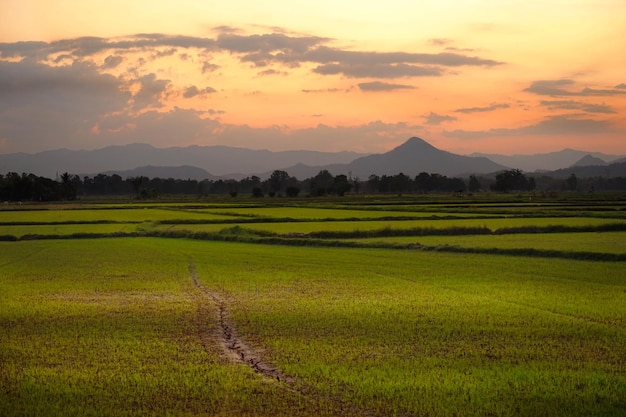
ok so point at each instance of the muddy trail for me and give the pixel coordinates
(233, 347)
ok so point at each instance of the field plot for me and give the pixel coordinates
(127, 215)
(228, 324)
(609, 242)
(68, 229)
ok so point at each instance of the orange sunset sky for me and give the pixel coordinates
(491, 76)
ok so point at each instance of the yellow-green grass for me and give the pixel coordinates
(346, 226)
(115, 327)
(94, 215)
(325, 213)
(68, 229)
(435, 334)
(604, 242)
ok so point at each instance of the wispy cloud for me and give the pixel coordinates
(556, 125)
(576, 105)
(378, 70)
(557, 88)
(437, 119)
(491, 107)
(378, 86)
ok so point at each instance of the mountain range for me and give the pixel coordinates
(213, 162)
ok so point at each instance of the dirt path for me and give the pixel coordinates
(233, 347)
(237, 351)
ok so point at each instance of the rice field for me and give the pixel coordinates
(134, 323)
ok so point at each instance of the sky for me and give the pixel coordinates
(488, 76)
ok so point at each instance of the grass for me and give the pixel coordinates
(609, 242)
(369, 330)
(114, 326)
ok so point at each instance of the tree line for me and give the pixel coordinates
(29, 187)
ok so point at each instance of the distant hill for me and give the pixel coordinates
(178, 173)
(411, 158)
(217, 160)
(607, 171)
(211, 162)
(589, 160)
(416, 156)
(547, 161)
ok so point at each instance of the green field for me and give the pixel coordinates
(135, 323)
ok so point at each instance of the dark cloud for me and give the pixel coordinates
(600, 92)
(209, 67)
(195, 91)
(621, 86)
(555, 88)
(259, 50)
(556, 125)
(491, 107)
(550, 87)
(437, 119)
(268, 42)
(576, 105)
(112, 61)
(271, 72)
(380, 86)
(151, 93)
(164, 53)
(23, 49)
(324, 54)
(42, 106)
(22, 79)
(378, 70)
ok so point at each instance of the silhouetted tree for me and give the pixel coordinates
(572, 183)
(322, 183)
(341, 185)
(474, 184)
(512, 180)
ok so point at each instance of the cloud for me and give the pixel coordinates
(378, 70)
(576, 105)
(554, 88)
(491, 107)
(621, 86)
(437, 119)
(209, 67)
(440, 41)
(42, 106)
(261, 50)
(380, 86)
(323, 90)
(112, 61)
(194, 91)
(271, 72)
(151, 92)
(556, 125)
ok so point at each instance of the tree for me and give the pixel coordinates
(137, 182)
(257, 192)
(474, 184)
(341, 185)
(423, 182)
(277, 181)
(512, 180)
(292, 191)
(572, 183)
(322, 183)
(69, 186)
